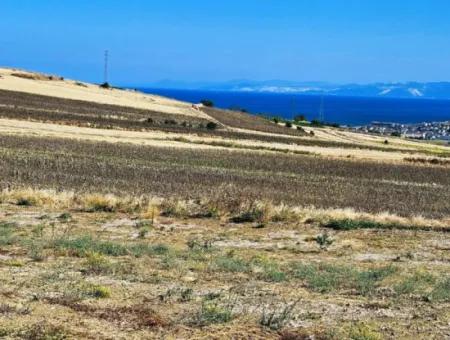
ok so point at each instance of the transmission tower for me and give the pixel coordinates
(105, 75)
(293, 106)
(322, 111)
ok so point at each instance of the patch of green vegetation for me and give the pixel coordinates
(349, 224)
(7, 236)
(42, 331)
(231, 264)
(36, 251)
(324, 241)
(200, 245)
(142, 249)
(14, 263)
(268, 270)
(99, 292)
(82, 246)
(97, 264)
(264, 268)
(213, 313)
(65, 217)
(362, 331)
(325, 278)
(81, 290)
(414, 284)
(5, 332)
(441, 291)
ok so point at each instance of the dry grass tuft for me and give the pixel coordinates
(239, 209)
(40, 198)
(111, 203)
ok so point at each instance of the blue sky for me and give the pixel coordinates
(212, 40)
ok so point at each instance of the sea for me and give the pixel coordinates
(351, 111)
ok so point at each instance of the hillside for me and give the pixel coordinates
(125, 215)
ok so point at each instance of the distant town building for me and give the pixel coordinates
(425, 131)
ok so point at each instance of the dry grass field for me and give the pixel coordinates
(121, 221)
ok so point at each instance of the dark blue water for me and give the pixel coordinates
(342, 110)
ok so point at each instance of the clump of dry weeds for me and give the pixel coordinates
(236, 208)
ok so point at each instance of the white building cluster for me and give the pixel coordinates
(426, 131)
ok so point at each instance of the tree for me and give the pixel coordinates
(300, 118)
(316, 122)
(207, 103)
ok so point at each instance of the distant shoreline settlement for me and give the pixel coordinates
(425, 131)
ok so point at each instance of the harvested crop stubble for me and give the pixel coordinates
(64, 164)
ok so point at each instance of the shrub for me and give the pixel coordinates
(36, 252)
(99, 292)
(349, 224)
(316, 123)
(362, 331)
(174, 208)
(170, 122)
(288, 124)
(300, 118)
(277, 317)
(211, 126)
(97, 264)
(105, 85)
(143, 231)
(26, 202)
(65, 217)
(212, 313)
(283, 213)
(99, 203)
(207, 103)
(254, 211)
(324, 240)
(195, 244)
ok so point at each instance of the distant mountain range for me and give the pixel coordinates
(432, 90)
